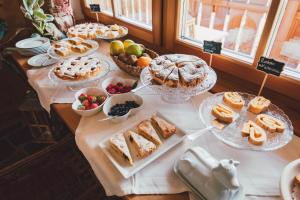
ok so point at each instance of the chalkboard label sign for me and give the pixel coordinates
(212, 47)
(270, 66)
(95, 7)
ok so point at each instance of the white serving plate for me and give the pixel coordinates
(54, 55)
(123, 167)
(287, 179)
(30, 43)
(41, 60)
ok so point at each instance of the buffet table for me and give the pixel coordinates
(281, 156)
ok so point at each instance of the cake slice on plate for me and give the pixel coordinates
(146, 130)
(163, 127)
(118, 143)
(142, 146)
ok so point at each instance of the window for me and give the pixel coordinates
(137, 12)
(238, 24)
(285, 41)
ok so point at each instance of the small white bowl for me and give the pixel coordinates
(115, 80)
(121, 99)
(89, 91)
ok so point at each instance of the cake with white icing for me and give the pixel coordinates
(79, 68)
(176, 70)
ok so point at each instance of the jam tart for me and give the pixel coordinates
(79, 68)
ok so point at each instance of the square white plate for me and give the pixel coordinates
(127, 170)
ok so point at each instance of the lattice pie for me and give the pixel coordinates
(79, 68)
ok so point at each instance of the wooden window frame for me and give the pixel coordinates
(224, 63)
(150, 36)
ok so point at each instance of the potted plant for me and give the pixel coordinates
(41, 21)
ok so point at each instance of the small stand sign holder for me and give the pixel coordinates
(269, 66)
(95, 8)
(211, 48)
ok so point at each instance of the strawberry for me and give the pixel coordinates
(86, 103)
(100, 99)
(92, 99)
(82, 97)
(93, 105)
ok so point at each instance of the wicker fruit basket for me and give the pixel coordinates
(132, 69)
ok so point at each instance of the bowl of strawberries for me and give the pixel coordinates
(89, 101)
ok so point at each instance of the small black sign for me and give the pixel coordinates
(270, 66)
(95, 7)
(212, 47)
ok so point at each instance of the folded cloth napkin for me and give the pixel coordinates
(259, 171)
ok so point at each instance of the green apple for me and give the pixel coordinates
(134, 49)
(127, 43)
(116, 47)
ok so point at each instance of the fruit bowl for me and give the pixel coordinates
(117, 80)
(88, 91)
(133, 69)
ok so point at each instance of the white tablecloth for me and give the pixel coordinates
(259, 171)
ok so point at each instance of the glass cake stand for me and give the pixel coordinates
(232, 134)
(78, 84)
(180, 94)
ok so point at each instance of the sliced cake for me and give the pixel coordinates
(142, 146)
(118, 144)
(164, 128)
(146, 130)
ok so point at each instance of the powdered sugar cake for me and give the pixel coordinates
(176, 70)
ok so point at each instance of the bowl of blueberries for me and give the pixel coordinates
(119, 107)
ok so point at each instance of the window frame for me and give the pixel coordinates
(152, 36)
(223, 63)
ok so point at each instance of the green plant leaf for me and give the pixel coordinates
(38, 28)
(26, 4)
(41, 2)
(28, 16)
(39, 16)
(49, 18)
